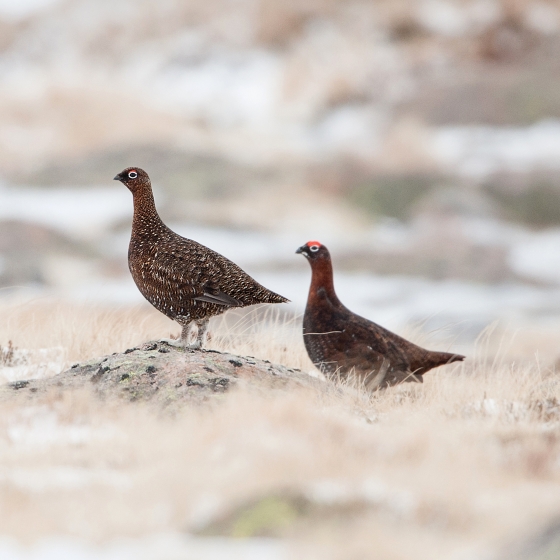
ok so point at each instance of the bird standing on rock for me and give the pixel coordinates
(183, 279)
(343, 344)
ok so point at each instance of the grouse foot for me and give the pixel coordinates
(183, 341)
(180, 343)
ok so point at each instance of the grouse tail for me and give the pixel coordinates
(435, 359)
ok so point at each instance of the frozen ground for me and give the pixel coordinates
(74, 212)
(261, 81)
(479, 151)
(460, 467)
(164, 546)
(13, 10)
(460, 308)
(465, 307)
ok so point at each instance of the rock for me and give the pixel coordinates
(166, 375)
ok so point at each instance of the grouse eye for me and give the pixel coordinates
(132, 175)
(314, 248)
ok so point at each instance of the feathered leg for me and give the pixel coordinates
(202, 325)
(183, 340)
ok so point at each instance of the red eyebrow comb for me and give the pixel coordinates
(309, 243)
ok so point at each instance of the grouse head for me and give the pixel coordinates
(134, 178)
(314, 251)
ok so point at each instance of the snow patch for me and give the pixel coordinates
(166, 546)
(14, 10)
(538, 256)
(32, 364)
(83, 212)
(479, 151)
(62, 478)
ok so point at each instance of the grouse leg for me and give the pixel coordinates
(374, 379)
(183, 340)
(202, 325)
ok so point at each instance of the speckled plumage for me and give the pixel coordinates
(183, 279)
(341, 343)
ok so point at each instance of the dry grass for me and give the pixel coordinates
(85, 331)
(458, 467)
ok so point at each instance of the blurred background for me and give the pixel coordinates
(418, 139)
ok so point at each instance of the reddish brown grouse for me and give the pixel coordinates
(342, 344)
(182, 278)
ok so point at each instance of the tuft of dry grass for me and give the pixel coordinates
(458, 467)
(84, 331)
(51, 335)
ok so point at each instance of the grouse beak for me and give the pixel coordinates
(302, 251)
(117, 178)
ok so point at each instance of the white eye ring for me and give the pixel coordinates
(314, 248)
(132, 175)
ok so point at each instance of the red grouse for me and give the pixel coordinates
(344, 345)
(183, 279)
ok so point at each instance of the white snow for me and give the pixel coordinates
(269, 257)
(40, 427)
(538, 256)
(61, 478)
(453, 19)
(14, 10)
(33, 364)
(478, 151)
(83, 212)
(161, 546)
(350, 129)
(225, 88)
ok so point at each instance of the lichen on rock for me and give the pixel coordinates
(164, 374)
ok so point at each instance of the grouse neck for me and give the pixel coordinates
(322, 278)
(145, 218)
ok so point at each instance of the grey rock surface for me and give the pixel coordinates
(167, 375)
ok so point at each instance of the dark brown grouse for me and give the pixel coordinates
(344, 345)
(182, 278)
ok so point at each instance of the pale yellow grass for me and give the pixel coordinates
(459, 467)
(85, 331)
